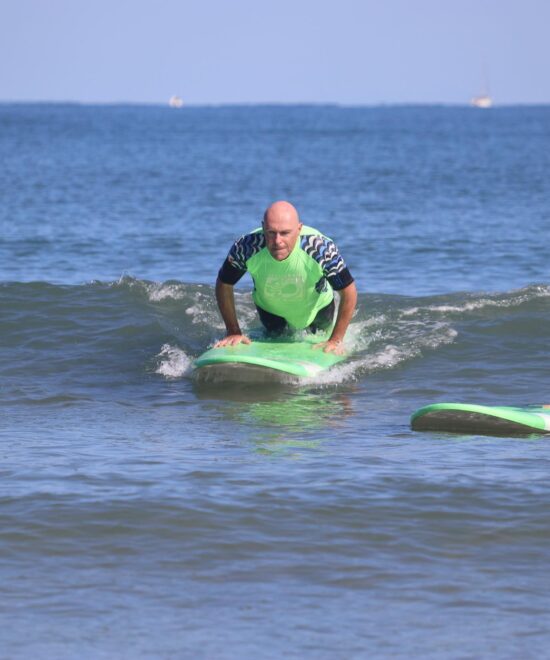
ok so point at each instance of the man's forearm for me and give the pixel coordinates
(348, 301)
(226, 304)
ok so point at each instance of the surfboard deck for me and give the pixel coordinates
(263, 357)
(484, 420)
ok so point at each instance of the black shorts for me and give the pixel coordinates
(276, 325)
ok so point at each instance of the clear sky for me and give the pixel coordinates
(285, 51)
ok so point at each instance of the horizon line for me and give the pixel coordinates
(337, 104)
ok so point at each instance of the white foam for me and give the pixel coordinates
(452, 309)
(361, 334)
(386, 357)
(157, 292)
(199, 313)
(516, 298)
(173, 362)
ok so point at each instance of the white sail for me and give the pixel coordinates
(481, 101)
(175, 102)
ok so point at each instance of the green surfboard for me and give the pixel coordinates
(484, 420)
(265, 359)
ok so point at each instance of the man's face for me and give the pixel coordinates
(281, 235)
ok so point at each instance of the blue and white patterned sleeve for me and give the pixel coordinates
(327, 255)
(234, 267)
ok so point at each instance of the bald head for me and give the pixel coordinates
(281, 211)
(281, 227)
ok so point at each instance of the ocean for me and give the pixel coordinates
(146, 515)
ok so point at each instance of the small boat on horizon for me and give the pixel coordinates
(481, 101)
(175, 102)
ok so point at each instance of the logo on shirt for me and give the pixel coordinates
(285, 288)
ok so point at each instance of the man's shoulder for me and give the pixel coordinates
(324, 252)
(315, 243)
(254, 240)
(248, 245)
(311, 231)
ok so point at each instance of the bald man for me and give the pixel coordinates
(295, 270)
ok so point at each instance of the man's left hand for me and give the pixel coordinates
(331, 346)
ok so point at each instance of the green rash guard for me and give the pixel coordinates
(295, 288)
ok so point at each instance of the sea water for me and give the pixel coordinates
(144, 515)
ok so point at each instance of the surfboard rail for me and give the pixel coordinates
(297, 358)
(482, 419)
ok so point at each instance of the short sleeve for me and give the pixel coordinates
(234, 267)
(229, 274)
(327, 255)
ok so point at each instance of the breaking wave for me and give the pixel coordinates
(159, 328)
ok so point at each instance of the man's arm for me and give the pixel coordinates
(348, 301)
(226, 304)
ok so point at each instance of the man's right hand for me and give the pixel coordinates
(232, 340)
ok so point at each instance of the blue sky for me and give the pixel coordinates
(284, 51)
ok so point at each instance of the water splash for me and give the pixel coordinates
(173, 362)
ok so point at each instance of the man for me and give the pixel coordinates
(295, 271)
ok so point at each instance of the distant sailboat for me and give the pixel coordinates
(175, 102)
(481, 101)
(484, 99)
